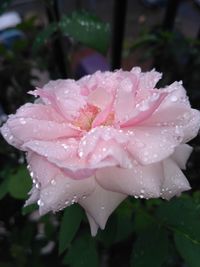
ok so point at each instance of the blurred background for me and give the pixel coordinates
(51, 39)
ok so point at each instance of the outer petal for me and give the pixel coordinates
(191, 127)
(8, 136)
(63, 192)
(34, 196)
(53, 189)
(141, 181)
(25, 129)
(40, 112)
(64, 95)
(147, 80)
(89, 142)
(93, 225)
(100, 204)
(63, 154)
(181, 155)
(41, 171)
(175, 181)
(153, 144)
(125, 98)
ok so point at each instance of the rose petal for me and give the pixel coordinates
(63, 192)
(100, 204)
(141, 181)
(25, 129)
(125, 99)
(93, 225)
(153, 144)
(181, 155)
(175, 181)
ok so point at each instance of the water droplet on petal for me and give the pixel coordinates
(40, 203)
(174, 98)
(53, 182)
(80, 154)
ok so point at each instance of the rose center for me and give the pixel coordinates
(88, 115)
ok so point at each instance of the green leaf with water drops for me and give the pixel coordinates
(189, 250)
(87, 29)
(69, 226)
(181, 215)
(151, 248)
(44, 36)
(83, 252)
(19, 183)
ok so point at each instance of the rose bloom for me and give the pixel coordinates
(106, 136)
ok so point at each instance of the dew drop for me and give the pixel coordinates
(53, 182)
(174, 98)
(22, 121)
(80, 154)
(40, 203)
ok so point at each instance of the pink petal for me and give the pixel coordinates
(100, 204)
(181, 155)
(8, 136)
(191, 125)
(26, 129)
(148, 80)
(175, 181)
(64, 155)
(140, 181)
(93, 225)
(41, 171)
(153, 144)
(64, 95)
(63, 192)
(99, 98)
(144, 110)
(125, 99)
(40, 112)
(109, 153)
(34, 196)
(91, 139)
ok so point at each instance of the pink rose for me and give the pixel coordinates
(97, 140)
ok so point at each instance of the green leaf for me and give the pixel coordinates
(189, 251)
(19, 183)
(69, 226)
(82, 253)
(151, 248)
(108, 235)
(87, 29)
(28, 209)
(182, 216)
(124, 222)
(43, 36)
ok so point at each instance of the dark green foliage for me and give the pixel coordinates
(69, 226)
(85, 28)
